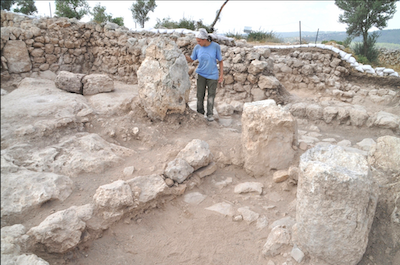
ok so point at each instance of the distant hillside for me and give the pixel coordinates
(386, 36)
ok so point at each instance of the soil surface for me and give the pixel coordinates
(177, 232)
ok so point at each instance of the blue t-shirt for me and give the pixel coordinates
(207, 57)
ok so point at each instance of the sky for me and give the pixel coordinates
(276, 16)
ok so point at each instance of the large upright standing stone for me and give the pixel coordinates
(268, 133)
(336, 202)
(163, 79)
(17, 56)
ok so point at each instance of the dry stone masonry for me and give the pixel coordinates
(63, 70)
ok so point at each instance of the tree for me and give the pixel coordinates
(361, 16)
(140, 9)
(99, 14)
(118, 20)
(72, 8)
(27, 7)
(6, 4)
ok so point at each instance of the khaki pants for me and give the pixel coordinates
(211, 85)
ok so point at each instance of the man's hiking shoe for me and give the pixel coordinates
(210, 118)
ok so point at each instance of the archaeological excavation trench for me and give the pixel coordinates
(105, 161)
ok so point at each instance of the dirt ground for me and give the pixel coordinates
(176, 232)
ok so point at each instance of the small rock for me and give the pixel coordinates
(280, 176)
(222, 208)
(194, 198)
(128, 171)
(169, 182)
(278, 237)
(249, 187)
(262, 222)
(297, 254)
(237, 218)
(223, 183)
(303, 146)
(206, 171)
(248, 215)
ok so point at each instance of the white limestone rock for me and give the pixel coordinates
(366, 144)
(178, 170)
(149, 186)
(278, 238)
(268, 134)
(27, 190)
(223, 208)
(385, 155)
(336, 202)
(194, 198)
(97, 83)
(82, 152)
(163, 79)
(112, 200)
(60, 231)
(248, 215)
(268, 82)
(386, 120)
(70, 82)
(13, 238)
(17, 56)
(247, 187)
(197, 153)
(358, 115)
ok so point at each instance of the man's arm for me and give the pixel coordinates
(221, 72)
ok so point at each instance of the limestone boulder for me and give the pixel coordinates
(70, 82)
(385, 155)
(268, 134)
(178, 170)
(358, 115)
(197, 153)
(386, 120)
(13, 238)
(336, 202)
(257, 67)
(13, 242)
(278, 238)
(61, 231)
(314, 112)
(112, 200)
(17, 56)
(97, 83)
(26, 190)
(82, 152)
(149, 187)
(268, 82)
(163, 79)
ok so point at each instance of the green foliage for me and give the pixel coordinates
(263, 36)
(26, 7)
(183, 23)
(71, 8)
(236, 35)
(200, 24)
(362, 59)
(368, 49)
(118, 20)
(140, 9)
(6, 4)
(347, 41)
(361, 16)
(99, 14)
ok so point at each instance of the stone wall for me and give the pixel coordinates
(31, 45)
(390, 57)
